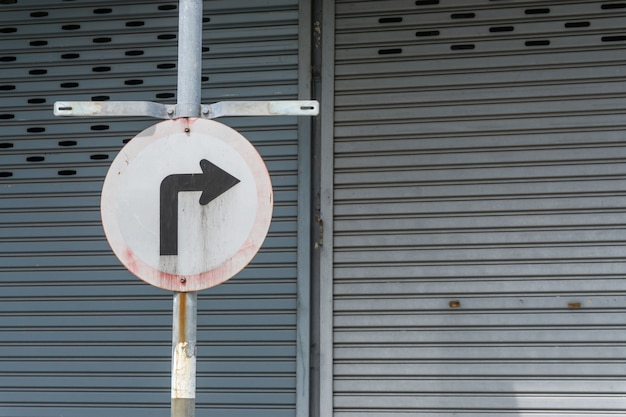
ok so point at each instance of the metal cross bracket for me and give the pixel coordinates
(168, 111)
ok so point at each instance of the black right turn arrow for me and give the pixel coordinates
(213, 182)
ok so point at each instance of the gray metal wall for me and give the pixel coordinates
(80, 336)
(479, 208)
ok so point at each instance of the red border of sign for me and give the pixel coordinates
(222, 273)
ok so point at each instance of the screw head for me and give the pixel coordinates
(183, 280)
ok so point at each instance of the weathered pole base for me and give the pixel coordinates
(183, 407)
(184, 355)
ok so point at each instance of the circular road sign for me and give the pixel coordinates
(186, 204)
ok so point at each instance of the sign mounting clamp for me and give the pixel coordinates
(169, 111)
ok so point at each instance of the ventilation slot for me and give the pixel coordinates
(7, 116)
(577, 24)
(66, 143)
(426, 2)
(101, 69)
(35, 159)
(39, 14)
(100, 98)
(166, 36)
(537, 43)
(390, 51)
(206, 19)
(462, 47)
(537, 11)
(7, 87)
(427, 33)
(8, 30)
(5, 174)
(8, 59)
(99, 157)
(165, 95)
(36, 129)
(69, 85)
(99, 127)
(67, 172)
(38, 43)
(70, 27)
(463, 15)
(390, 20)
(166, 66)
(135, 24)
(6, 145)
(133, 53)
(499, 29)
(36, 100)
(616, 38)
(70, 56)
(102, 11)
(167, 7)
(101, 40)
(133, 82)
(610, 6)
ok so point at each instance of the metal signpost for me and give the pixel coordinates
(160, 174)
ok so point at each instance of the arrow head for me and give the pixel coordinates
(214, 182)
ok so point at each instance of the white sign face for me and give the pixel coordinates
(186, 204)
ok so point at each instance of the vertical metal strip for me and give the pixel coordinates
(326, 206)
(303, 312)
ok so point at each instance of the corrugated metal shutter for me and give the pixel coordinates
(80, 336)
(479, 208)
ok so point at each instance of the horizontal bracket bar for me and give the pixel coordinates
(261, 108)
(168, 111)
(114, 108)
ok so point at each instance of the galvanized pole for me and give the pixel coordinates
(189, 96)
(184, 355)
(185, 309)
